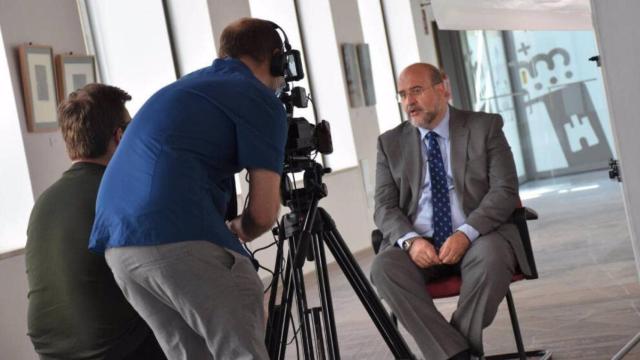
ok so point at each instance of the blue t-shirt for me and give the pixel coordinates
(171, 177)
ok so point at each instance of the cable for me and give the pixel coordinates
(272, 272)
(264, 247)
(247, 179)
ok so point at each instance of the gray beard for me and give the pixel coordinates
(428, 119)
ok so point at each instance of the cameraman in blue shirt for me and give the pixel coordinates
(160, 213)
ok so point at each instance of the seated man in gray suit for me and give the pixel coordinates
(446, 185)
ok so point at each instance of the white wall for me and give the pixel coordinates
(14, 343)
(617, 32)
(49, 22)
(58, 25)
(425, 41)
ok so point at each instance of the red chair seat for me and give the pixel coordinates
(450, 286)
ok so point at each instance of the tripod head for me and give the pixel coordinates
(299, 199)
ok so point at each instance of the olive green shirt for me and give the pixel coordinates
(76, 309)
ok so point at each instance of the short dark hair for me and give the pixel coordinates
(255, 38)
(89, 117)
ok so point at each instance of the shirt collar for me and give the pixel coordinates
(229, 64)
(233, 66)
(442, 129)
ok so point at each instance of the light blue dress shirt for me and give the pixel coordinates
(423, 224)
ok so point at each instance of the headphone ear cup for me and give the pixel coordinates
(277, 64)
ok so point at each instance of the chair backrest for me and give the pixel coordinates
(518, 218)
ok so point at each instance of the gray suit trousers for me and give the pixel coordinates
(486, 271)
(201, 300)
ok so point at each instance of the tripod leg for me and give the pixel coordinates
(278, 323)
(325, 298)
(274, 312)
(293, 284)
(363, 289)
(303, 311)
(317, 332)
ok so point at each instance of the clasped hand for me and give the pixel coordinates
(235, 226)
(424, 254)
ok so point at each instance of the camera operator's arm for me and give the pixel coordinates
(263, 207)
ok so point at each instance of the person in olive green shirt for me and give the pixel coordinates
(76, 309)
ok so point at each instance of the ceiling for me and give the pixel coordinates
(512, 14)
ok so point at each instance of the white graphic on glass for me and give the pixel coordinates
(580, 133)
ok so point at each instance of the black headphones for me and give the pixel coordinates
(279, 60)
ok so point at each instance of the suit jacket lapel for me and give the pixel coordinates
(459, 134)
(412, 154)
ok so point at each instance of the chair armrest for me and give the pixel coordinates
(522, 214)
(376, 240)
(519, 218)
(530, 214)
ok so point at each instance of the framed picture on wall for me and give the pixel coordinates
(74, 72)
(352, 75)
(366, 74)
(38, 87)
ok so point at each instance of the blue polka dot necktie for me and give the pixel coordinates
(439, 192)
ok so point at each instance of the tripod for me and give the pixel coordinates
(308, 228)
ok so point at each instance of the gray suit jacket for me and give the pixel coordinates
(484, 175)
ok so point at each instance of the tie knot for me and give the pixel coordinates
(431, 135)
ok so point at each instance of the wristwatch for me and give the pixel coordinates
(406, 245)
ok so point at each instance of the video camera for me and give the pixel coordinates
(302, 136)
(303, 139)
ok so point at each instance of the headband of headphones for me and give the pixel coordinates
(278, 61)
(288, 62)
(277, 27)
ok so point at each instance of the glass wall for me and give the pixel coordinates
(389, 115)
(16, 196)
(563, 98)
(490, 87)
(550, 96)
(192, 34)
(132, 46)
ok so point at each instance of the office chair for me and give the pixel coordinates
(450, 286)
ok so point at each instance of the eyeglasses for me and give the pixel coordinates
(414, 91)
